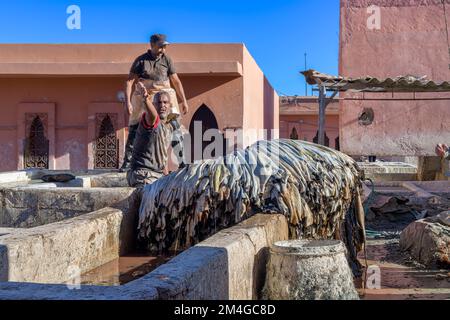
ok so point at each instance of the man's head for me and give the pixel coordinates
(158, 43)
(162, 104)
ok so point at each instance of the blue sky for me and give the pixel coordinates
(277, 33)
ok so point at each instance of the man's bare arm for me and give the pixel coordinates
(132, 78)
(180, 92)
(150, 111)
(443, 151)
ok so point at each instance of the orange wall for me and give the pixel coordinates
(72, 96)
(261, 102)
(307, 126)
(246, 101)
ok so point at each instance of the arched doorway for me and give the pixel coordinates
(327, 140)
(294, 134)
(206, 120)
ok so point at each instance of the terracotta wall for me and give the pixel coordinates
(261, 103)
(116, 52)
(237, 100)
(71, 98)
(307, 126)
(412, 40)
(76, 102)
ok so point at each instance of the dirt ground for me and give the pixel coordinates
(401, 278)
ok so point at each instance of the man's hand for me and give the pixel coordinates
(184, 107)
(141, 89)
(441, 149)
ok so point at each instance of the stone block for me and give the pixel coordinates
(44, 254)
(428, 241)
(229, 265)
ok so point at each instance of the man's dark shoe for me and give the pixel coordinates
(125, 167)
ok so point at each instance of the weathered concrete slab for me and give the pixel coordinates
(13, 176)
(389, 171)
(230, 265)
(84, 179)
(30, 207)
(33, 291)
(109, 180)
(437, 187)
(6, 231)
(387, 167)
(44, 254)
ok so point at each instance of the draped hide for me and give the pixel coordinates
(315, 187)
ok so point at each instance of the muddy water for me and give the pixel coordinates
(123, 269)
(401, 279)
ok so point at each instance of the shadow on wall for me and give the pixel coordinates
(4, 264)
(269, 107)
(128, 227)
(203, 84)
(259, 272)
(199, 273)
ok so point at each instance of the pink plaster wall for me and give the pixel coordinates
(306, 126)
(71, 97)
(75, 97)
(261, 102)
(412, 40)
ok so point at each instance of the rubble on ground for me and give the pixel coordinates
(428, 240)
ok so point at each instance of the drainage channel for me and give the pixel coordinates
(124, 269)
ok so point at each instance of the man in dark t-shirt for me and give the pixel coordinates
(156, 71)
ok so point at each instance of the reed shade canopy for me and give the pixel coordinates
(408, 83)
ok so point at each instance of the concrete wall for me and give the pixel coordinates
(412, 40)
(100, 234)
(229, 265)
(23, 207)
(45, 254)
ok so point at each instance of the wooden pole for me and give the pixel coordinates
(322, 108)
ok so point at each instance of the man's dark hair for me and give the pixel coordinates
(158, 37)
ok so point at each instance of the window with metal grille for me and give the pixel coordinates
(36, 147)
(106, 146)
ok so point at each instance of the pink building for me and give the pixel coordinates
(299, 118)
(62, 105)
(388, 39)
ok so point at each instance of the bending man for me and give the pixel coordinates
(153, 137)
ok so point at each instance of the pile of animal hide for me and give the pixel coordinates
(316, 188)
